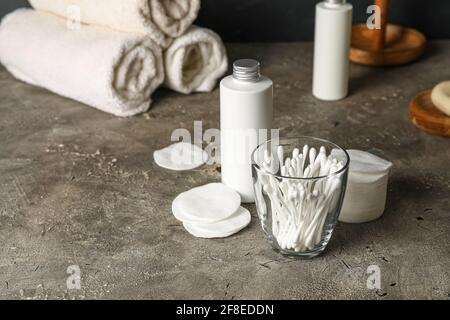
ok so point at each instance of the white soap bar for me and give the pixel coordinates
(180, 156)
(206, 204)
(222, 229)
(365, 197)
(441, 97)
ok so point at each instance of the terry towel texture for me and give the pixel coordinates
(195, 61)
(113, 71)
(162, 20)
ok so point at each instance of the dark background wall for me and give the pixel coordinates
(293, 20)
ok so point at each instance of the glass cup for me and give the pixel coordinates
(299, 186)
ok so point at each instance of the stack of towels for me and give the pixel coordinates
(112, 54)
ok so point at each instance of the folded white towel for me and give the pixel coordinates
(113, 71)
(195, 61)
(160, 19)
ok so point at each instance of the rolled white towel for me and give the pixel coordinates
(195, 61)
(113, 71)
(160, 19)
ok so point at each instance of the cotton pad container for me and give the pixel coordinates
(365, 198)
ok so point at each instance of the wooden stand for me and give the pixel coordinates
(390, 45)
(427, 117)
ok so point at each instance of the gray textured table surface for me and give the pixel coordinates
(64, 203)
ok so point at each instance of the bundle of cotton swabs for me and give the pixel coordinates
(300, 206)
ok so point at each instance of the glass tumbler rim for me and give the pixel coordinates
(259, 168)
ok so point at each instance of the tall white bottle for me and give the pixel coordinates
(246, 112)
(331, 49)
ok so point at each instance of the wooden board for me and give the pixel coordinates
(427, 117)
(402, 45)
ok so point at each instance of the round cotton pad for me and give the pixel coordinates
(222, 229)
(441, 97)
(209, 203)
(180, 156)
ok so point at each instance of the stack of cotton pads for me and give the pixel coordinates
(211, 211)
(365, 197)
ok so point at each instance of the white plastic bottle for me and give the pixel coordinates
(246, 112)
(331, 49)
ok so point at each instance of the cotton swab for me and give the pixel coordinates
(300, 208)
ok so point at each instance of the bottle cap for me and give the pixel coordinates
(246, 70)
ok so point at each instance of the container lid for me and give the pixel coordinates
(246, 70)
(366, 162)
